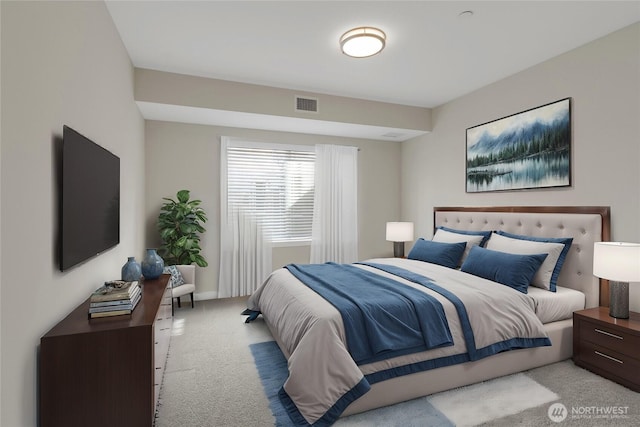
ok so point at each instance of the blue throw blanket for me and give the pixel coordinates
(382, 317)
(428, 283)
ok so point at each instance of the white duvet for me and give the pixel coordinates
(321, 370)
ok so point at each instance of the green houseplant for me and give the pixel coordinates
(180, 225)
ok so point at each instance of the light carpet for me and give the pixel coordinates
(466, 406)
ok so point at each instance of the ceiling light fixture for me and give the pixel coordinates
(362, 42)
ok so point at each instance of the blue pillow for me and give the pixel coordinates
(485, 234)
(176, 276)
(566, 241)
(513, 270)
(446, 254)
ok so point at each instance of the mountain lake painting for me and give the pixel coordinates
(531, 149)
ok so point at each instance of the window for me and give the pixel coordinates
(273, 183)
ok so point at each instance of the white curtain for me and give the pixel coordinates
(334, 234)
(245, 255)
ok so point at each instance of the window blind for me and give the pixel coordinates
(275, 185)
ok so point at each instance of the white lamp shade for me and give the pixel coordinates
(399, 231)
(617, 261)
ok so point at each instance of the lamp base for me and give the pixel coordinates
(398, 249)
(619, 300)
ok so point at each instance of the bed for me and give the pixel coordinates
(328, 380)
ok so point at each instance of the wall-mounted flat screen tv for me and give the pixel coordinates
(90, 199)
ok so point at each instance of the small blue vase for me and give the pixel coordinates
(152, 265)
(131, 271)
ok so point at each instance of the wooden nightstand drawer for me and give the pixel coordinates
(616, 340)
(615, 363)
(608, 346)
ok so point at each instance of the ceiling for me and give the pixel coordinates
(433, 53)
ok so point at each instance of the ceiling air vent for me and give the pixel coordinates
(308, 105)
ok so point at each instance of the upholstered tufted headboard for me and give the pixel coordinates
(584, 223)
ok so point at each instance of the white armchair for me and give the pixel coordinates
(189, 275)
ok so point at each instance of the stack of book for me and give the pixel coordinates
(114, 298)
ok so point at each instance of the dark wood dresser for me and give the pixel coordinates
(608, 346)
(106, 371)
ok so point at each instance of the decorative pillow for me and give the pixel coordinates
(446, 236)
(566, 241)
(446, 254)
(485, 234)
(176, 276)
(542, 278)
(515, 271)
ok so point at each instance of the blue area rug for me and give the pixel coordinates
(273, 371)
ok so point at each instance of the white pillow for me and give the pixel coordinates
(542, 278)
(445, 236)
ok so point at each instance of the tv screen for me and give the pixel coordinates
(90, 205)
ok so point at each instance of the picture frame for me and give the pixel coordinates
(527, 150)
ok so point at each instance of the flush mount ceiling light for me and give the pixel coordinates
(362, 42)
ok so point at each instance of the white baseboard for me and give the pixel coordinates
(205, 295)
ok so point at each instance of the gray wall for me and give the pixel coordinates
(62, 63)
(603, 80)
(186, 156)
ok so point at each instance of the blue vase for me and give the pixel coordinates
(131, 271)
(152, 265)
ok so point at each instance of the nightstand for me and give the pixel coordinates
(608, 346)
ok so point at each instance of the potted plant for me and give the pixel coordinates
(180, 225)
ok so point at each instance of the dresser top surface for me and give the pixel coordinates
(144, 314)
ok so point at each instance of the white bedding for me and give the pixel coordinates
(559, 305)
(310, 329)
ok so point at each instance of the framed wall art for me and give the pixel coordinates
(530, 149)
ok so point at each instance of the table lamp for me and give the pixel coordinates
(619, 263)
(398, 233)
